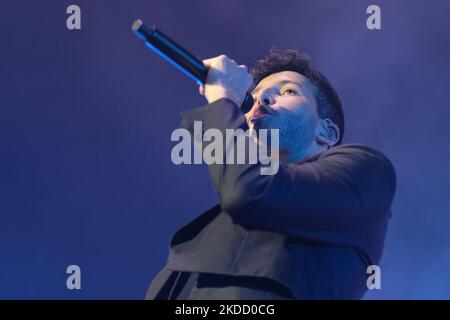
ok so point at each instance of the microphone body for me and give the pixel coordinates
(178, 56)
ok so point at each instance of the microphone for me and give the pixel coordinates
(178, 56)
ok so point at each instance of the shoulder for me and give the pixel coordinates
(368, 169)
(360, 153)
(362, 164)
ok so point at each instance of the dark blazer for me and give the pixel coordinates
(313, 227)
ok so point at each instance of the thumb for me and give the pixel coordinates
(207, 62)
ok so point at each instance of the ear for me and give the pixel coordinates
(328, 133)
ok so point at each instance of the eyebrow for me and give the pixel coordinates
(280, 83)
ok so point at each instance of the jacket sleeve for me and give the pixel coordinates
(343, 192)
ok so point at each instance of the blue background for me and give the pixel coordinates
(86, 116)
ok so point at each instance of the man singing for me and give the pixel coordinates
(307, 232)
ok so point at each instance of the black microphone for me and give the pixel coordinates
(178, 56)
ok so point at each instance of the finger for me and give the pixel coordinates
(207, 62)
(201, 90)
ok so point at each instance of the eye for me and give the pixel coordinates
(288, 92)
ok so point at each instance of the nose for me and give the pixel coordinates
(265, 98)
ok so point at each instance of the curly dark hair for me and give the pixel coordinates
(328, 102)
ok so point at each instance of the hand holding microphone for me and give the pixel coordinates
(226, 79)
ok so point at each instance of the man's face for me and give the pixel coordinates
(285, 101)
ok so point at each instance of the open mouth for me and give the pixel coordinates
(262, 111)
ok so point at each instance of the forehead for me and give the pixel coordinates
(283, 77)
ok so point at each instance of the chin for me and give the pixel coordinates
(264, 125)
